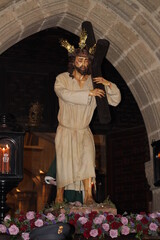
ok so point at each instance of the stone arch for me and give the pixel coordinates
(132, 27)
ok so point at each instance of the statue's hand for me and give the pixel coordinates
(101, 80)
(97, 92)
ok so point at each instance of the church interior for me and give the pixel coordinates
(31, 58)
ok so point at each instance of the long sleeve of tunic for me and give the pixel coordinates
(75, 149)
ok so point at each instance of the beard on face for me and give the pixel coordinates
(83, 71)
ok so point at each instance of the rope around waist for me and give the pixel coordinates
(61, 125)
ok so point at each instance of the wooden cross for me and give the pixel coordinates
(102, 47)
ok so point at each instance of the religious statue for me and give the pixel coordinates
(78, 91)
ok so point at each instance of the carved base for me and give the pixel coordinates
(102, 207)
(94, 207)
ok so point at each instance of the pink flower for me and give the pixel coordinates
(113, 233)
(25, 236)
(13, 230)
(139, 217)
(30, 215)
(87, 211)
(158, 214)
(82, 220)
(102, 217)
(61, 217)
(125, 230)
(93, 233)
(50, 216)
(153, 215)
(153, 227)
(3, 228)
(39, 223)
(7, 218)
(97, 220)
(105, 226)
(124, 220)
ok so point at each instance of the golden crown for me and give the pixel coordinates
(83, 38)
(82, 44)
(70, 48)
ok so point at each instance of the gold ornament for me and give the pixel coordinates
(60, 229)
(67, 45)
(83, 38)
(92, 49)
(82, 44)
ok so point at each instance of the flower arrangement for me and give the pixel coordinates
(90, 224)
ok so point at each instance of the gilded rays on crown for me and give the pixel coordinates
(82, 44)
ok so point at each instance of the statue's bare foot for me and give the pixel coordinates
(89, 201)
(58, 200)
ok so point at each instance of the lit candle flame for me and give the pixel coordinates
(41, 172)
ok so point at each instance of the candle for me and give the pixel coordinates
(1, 156)
(5, 159)
(158, 155)
(7, 151)
(3, 151)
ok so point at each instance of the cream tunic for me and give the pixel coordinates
(75, 149)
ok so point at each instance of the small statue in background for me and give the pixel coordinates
(35, 114)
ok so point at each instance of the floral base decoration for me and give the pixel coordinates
(88, 225)
(77, 207)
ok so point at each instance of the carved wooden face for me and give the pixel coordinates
(81, 64)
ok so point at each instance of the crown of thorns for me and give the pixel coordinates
(82, 44)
